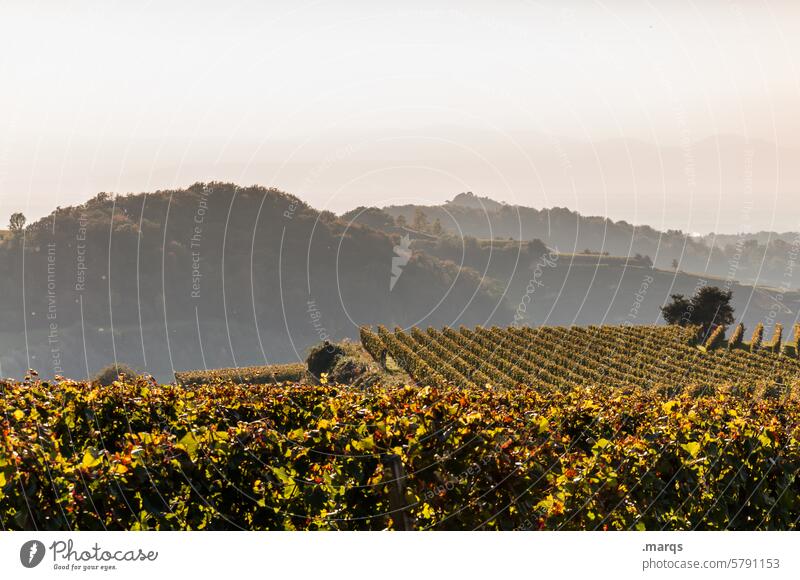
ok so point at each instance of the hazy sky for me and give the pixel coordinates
(681, 114)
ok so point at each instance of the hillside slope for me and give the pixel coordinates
(223, 276)
(755, 259)
(558, 357)
(212, 276)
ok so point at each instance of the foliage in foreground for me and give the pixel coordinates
(224, 456)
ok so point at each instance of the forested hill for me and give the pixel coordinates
(762, 258)
(211, 276)
(224, 276)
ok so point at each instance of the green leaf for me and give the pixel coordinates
(366, 444)
(602, 443)
(283, 475)
(189, 443)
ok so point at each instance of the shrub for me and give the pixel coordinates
(112, 372)
(322, 358)
(347, 370)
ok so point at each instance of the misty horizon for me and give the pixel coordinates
(678, 117)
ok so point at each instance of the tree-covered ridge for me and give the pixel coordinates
(222, 276)
(212, 276)
(760, 258)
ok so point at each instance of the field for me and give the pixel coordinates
(617, 430)
(636, 356)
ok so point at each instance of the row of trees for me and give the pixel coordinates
(421, 223)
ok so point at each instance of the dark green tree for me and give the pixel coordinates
(709, 307)
(16, 223)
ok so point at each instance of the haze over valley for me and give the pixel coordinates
(219, 275)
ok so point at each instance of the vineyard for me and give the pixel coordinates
(292, 372)
(635, 356)
(136, 455)
(605, 428)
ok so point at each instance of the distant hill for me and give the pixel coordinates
(754, 259)
(761, 237)
(220, 276)
(473, 201)
(211, 276)
(562, 288)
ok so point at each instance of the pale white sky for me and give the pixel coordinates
(670, 113)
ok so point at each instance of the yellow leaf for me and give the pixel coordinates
(669, 406)
(692, 448)
(543, 424)
(427, 511)
(90, 460)
(18, 415)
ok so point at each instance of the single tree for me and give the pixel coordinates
(679, 311)
(437, 229)
(400, 221)
(675, 264)
(420, 221)
(16, 223)
(709, 307)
